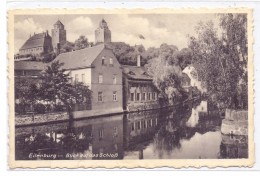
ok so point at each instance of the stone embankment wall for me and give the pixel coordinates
(134, 107)
(235, 122)
(40, 118)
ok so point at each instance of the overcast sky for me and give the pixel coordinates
(157, 29)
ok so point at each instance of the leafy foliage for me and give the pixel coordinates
(125, 53)
(67, 47)
(57, 86)
(81, 43)
(48, 57)
(221, 61)
(167, 78)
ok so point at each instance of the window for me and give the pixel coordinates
(138, 97)
(144, 96)
(114, 96)
(145, 124)
(114, 79)
(131, 73)
(111, 61)
(139, 125)
(148, 123)
(83, 78)
(100, 78)
(100, 96)
(115, 132)
(133, 127)
(132, 96)
(149, 96)
(101, 134)
(153, 96)
(76, 78)
(103, 60)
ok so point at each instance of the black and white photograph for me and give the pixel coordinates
(141, 87)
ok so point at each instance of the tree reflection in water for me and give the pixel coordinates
(168, 133)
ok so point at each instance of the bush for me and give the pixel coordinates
(20, 108)
(39, 108)
(59, 108)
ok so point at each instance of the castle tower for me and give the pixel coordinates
(58, 36)
(102, 33)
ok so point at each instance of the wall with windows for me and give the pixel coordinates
(108, 137)
(33, 51)
(106, 82)
(140, 126)
(81, 75)
(139, 95)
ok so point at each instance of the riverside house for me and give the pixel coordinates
(98, 68)
(139, 92)
(28, 70)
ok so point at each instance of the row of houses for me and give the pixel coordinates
(115, 87)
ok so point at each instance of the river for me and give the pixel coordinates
(189, 131)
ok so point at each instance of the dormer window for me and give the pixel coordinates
(131, 73)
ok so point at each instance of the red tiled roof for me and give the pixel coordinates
(29, 65)
(135, 72)
(79, 58)
(37, 40)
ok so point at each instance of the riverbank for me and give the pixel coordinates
(24, 120)
(40, 119)
(235, 122)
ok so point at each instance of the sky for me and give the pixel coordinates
(156, 28)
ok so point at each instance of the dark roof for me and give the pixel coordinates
(135, 72)
(58, 23)
(37, 40)
(29, 65)
(79, 58)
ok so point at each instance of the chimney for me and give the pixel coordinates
(138, 60)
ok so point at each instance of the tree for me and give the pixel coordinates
(57, 86)
(220, 61)
(67, 47)
(81, 43)
(124, 53)
(48, 57)
(27, 93)
(167, 78)
(184, 57)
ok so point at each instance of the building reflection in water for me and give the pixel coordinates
(139, 130)
(188, 131)
(234, 146)
(196, 113)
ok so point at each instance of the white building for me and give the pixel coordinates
(194, 78)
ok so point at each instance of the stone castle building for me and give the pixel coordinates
(58, 36)
(102, 33)
(43, 43)
(37, 44)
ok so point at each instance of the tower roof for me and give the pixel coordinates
(58, 23)
(103, 24)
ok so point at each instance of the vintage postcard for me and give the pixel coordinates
(129, 88)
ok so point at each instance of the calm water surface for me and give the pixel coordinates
(190, 131)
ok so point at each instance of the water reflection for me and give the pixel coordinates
(188, 131)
